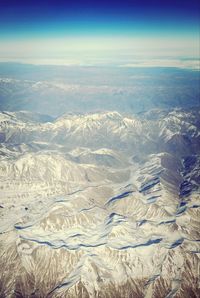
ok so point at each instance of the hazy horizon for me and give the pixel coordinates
(95, 33)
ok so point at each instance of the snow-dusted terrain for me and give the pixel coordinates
(100, 205)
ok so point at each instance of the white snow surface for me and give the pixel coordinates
(99, 204)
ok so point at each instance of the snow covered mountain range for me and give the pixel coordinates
(100, 204)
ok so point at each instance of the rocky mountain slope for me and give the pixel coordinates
(100, 205)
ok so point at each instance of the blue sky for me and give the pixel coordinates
(40, 18)
(35, 27)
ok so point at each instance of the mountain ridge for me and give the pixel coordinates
(101, 204)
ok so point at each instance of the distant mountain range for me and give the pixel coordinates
(55, 90)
